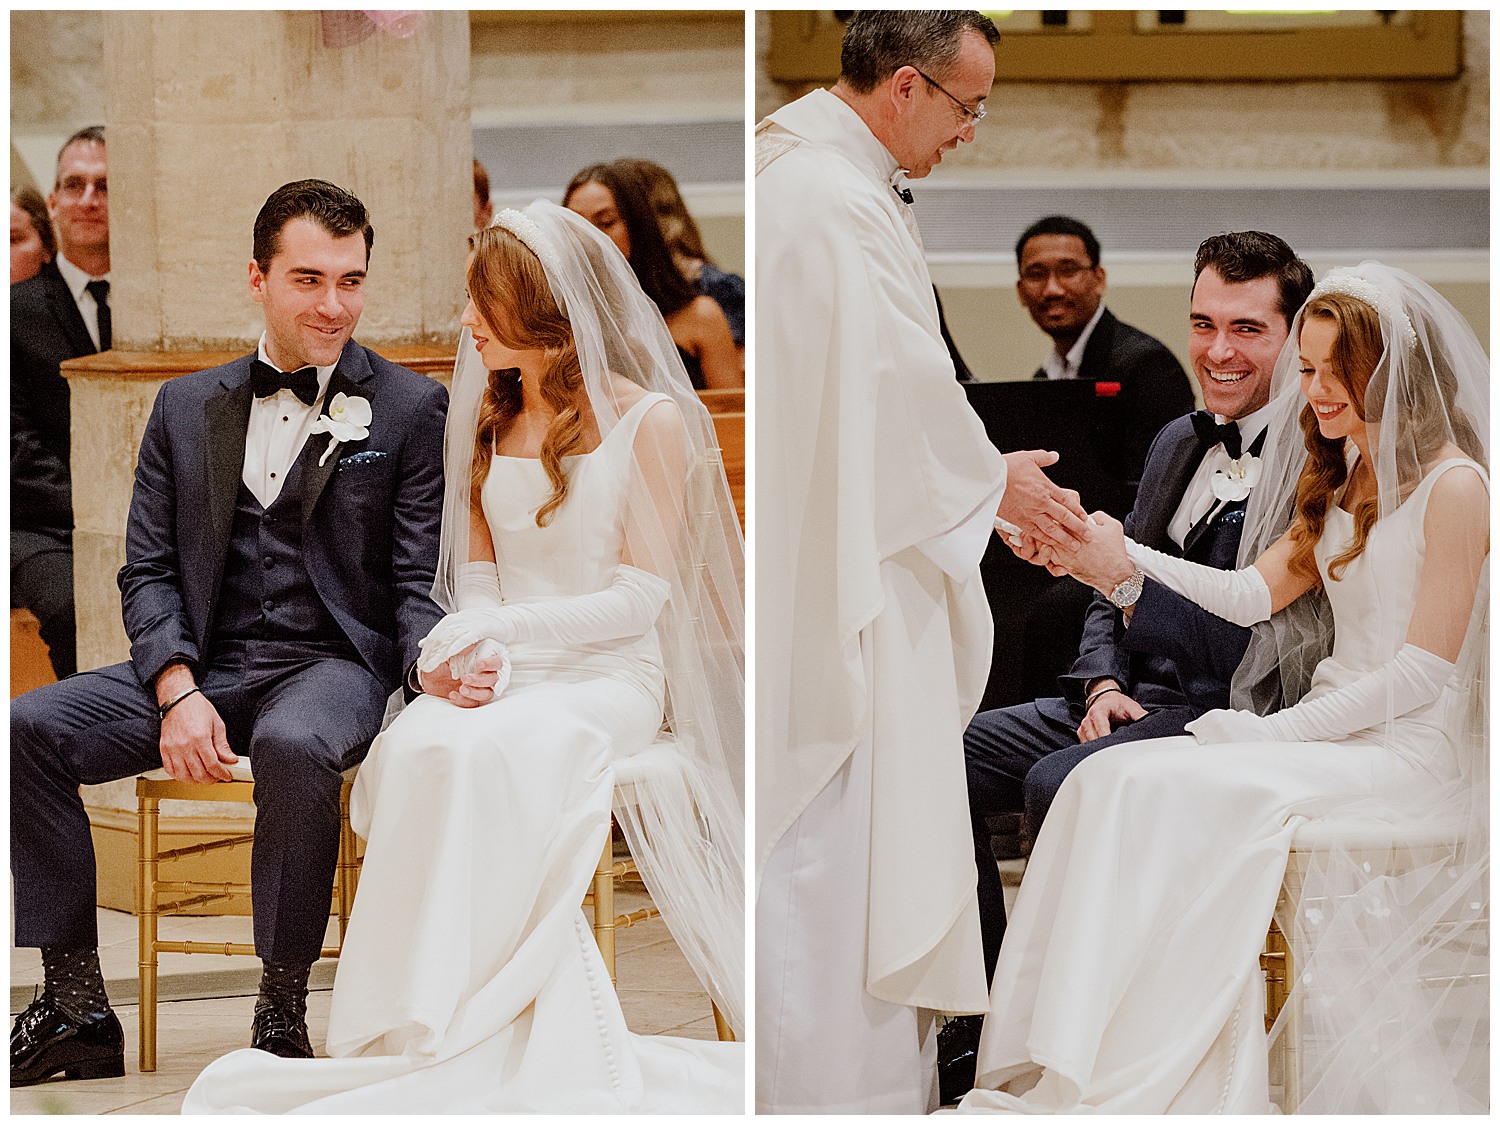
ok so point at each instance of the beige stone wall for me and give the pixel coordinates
(197, 151)
(194, 151)
(548, 67)
(560, 68)
(1062, 127)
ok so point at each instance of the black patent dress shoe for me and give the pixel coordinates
(958, 1054)
(44, 1042)
(280, 1033)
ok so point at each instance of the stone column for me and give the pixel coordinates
(208, 113)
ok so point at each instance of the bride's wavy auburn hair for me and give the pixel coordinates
(1427, 423)
(511, 292)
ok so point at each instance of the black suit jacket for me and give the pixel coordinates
(46, 328)
(370, 513)
(1154, 389)
(1174, 652)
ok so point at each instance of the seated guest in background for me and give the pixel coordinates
(32, 241)
(484, 209)
(60, 313)
(617, 200)
(686, 244)
(1175, 660)
(1062, 286)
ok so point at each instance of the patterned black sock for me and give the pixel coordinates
(75, 983)
(283, 987)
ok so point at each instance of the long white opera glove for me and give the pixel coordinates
(628, 607)
(1238, 596)
(477, 586)
(1411, 679)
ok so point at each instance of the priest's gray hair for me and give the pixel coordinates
(879, 43)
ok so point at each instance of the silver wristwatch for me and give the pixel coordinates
(1127, 593)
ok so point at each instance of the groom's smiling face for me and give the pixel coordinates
(1236, 333)
(313, 291)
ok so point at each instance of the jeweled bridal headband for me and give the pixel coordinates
(524, 227)
(1361, 289)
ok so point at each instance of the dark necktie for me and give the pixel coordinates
(265, 381)
(100, 291)
(1211, 433)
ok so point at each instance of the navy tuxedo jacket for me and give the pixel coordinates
(46, 328)
(1173, 652)
(370, 513)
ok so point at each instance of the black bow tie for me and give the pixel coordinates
(265, 381)
(1211, 433)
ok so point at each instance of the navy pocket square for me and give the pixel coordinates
(355, 460)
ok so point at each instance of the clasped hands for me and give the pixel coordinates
(470, 677)
(1048, 527)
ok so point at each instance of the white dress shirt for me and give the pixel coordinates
(78, 281)
(1199, 496)
(1066, 366)
(279, 427)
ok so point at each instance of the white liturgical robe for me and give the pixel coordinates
(875, 491)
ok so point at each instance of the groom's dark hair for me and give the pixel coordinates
(879, 43)
(337, 211)
(1249, 255)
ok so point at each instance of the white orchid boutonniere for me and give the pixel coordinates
(1236, 482)
(348, 419)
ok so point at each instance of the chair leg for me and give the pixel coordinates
(146, 865)
(348, 862)
(721, 1026)
(604, 905)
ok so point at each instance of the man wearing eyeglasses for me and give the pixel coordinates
(876, 491)
(61, 313)
(1061, 284)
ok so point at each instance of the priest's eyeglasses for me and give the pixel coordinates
(971, 116)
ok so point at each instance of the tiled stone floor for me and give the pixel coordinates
(206, 1003)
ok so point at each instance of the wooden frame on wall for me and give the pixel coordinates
(1110, 46)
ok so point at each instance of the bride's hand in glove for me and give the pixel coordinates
(1031, 550)
(1215, 727)
(470, 678)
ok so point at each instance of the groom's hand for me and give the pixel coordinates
(193, 743)
(1042, 510)
(1112, 709)
(1100, 560)
(471, 690)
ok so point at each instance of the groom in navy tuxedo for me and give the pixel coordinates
(1150, 661)
(280, 550)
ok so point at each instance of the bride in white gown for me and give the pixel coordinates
(1128, 981)
(592, 565)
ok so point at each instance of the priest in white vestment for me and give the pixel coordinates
(876, 491)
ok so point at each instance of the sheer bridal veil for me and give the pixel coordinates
(1388, 901)
(685, 821)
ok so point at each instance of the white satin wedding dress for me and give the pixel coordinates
(470, 981)
(1129, 980)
